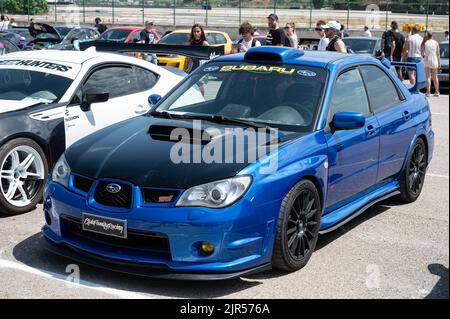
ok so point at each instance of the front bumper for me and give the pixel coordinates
(153, 271)
(242, 237)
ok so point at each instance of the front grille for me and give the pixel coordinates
(121, 199)
(159, 195)
(82, 183)
(136, 240)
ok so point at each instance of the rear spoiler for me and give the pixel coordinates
(195, 52)
(421, 78)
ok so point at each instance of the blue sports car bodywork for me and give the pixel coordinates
(359, 136)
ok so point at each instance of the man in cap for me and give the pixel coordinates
(149, 36)
(331, 31)
(276, 35)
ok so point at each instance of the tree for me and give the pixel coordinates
(25, 6)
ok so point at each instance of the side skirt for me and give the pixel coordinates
(343, 215)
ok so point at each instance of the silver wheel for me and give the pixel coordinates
(22, 174)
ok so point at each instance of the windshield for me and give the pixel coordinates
(282, 96)
(360, 45)
(175, 38)
(63, 31)
(115, 35)
(444, 50)
(38, 87)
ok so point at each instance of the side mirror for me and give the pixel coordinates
(94, 95)
(348, 121)
(154, 99)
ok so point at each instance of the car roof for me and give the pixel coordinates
(444, 42)
(189, 31)
(77, 57)
(362, 38)
(312, 58)
(131, 28)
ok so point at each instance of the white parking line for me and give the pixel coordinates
(83, 283)
(445, 114)
(437, 175)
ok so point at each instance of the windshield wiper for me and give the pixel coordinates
(212, 118)
(163, 114)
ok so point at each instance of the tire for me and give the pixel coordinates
(413, 176)
(297, 227)
(23, 174)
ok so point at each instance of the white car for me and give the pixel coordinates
(51, 99)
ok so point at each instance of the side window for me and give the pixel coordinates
(382, 92)
(135, 37)
(92, 34)
(220, 39)
(349, 94)
(146, 79)
(117, 80)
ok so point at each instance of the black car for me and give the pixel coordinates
(363, 45)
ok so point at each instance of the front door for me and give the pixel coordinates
(128, 89)
(352, 154)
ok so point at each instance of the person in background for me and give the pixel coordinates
(276, 35)
(4, 22)
(367, 32)
(323, 42)
(149, 36)
(291, 35)
(101, 27)
(399, 40)
(12, 23)
(412, 51)
(342, 32)
(198, 36)
(331, 30)
(432, 59)
(246, 31)
(31, 28)
(446, 35)
(388, 44)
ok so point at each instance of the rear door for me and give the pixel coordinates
(352, 154)
(128, 87)
(395, 116)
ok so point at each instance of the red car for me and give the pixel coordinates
(124, 34)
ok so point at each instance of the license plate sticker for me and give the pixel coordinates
(104, 225)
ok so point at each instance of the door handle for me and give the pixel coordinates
(406, 115)
(371, 130)
(141, 109)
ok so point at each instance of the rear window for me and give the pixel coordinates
(175, 38)
(360, 45)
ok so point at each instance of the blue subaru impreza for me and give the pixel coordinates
(171, 195)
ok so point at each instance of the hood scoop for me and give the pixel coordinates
(177, 134)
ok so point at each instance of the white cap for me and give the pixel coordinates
(332, 25)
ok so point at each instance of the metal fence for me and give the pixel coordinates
(354, 14)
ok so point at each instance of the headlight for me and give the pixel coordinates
(61, 172)
(216, 194)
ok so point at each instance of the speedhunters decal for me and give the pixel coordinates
(37, 64)
(258, 68)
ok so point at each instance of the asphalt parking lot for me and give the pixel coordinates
(390, 251)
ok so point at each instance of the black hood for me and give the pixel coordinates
(138, 151)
